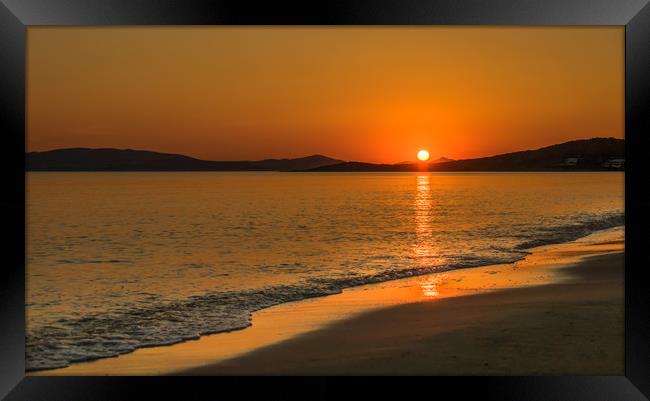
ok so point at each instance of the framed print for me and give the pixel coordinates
(314, 196)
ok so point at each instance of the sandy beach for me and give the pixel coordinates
(558, 311)
(574, 327)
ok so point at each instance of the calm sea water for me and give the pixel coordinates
(117, 261)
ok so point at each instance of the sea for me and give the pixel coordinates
(122, 260)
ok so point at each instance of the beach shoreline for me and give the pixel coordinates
(565, 284)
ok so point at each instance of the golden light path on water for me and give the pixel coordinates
(425, 251)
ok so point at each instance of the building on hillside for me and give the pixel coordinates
(571, 161)
(617, 164)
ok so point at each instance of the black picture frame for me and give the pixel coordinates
(17, 15)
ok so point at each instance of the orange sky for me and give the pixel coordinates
(376, 94)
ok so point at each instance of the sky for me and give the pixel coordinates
(375, 94)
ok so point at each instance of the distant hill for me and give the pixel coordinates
(442, 160)
(106, 159)
(581, 155)
(439, 160)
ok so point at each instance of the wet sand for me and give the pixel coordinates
(572, 327)
(558, 311)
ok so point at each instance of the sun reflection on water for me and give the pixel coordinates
(424, 247)
(429, 285)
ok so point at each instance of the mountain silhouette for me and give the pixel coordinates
(592, 154)
(107, 159)
(442, 160)
(438, 160)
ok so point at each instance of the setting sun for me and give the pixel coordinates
(423, 155)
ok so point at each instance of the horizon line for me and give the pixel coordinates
(315, 154)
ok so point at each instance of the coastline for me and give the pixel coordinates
(388, 328)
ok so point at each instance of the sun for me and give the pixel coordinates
(423, 155)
